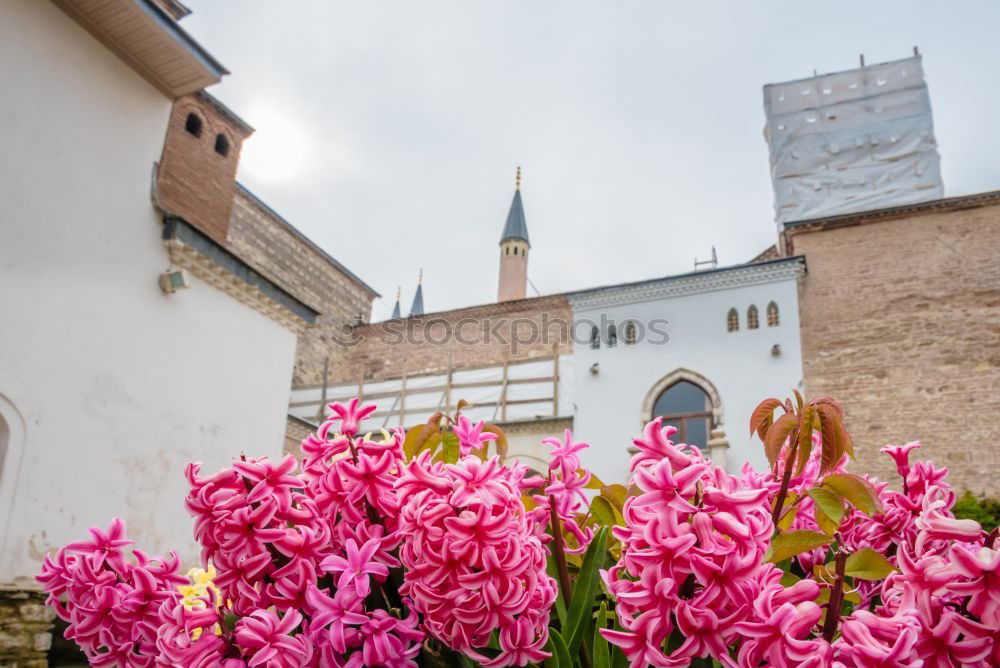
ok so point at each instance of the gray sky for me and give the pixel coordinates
(389, 130)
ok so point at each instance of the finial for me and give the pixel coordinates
(420, 280)
(517, 180)
(399, 292)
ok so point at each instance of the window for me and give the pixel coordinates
(687, 407)
(631, 334)
(752, 321)
(772, 315)
(193, 124)
(221, 145)
(612, 336)
(595, 337)
(733, 321)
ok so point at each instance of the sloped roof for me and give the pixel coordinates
(516, 227)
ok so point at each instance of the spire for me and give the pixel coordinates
(418, 298)
(395, 309)
(516, 227)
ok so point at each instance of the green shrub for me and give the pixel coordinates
(983, 510)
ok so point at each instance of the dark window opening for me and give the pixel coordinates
(193, 124)
(595, 337)
(612, 336)
(687, 407)
(772, 315)
(631, 334)
(752, 320)
(222, 145)
(733, 321)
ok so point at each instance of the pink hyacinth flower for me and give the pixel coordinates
(351, 415)
(357, 565)
(471, 436)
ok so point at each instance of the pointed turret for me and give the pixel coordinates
(395, 309)
(418, 298)
(514, 247)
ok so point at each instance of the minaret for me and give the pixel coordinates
(514, 247)
(395, 309)
(418, 298)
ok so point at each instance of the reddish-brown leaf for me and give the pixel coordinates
(763, 417)
(777, 435)
(832, 434)
(798, 401)
(805, 436)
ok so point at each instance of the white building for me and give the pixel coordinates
(701, 349)
(108, 383)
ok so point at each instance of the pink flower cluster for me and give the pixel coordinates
(112, 604)
(692, 567)
(474, 559)
(567, 480)
(692, 581)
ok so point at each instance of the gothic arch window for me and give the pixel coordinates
(732, 321)
(687, 407)
(631, 334)
(193, 124)
(752, 320)
(595, 337)
(221, 145)
(772, 315)
(612, 336)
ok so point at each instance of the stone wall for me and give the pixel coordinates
(475, 336)
(900, 317)
(25, 628)
(273, 246)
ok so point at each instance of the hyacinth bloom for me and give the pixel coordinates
(292, 555)
(471, 436)
(473, 557)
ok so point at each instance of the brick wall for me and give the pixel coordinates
(271, 245)
(901, 322)
(25, 628)
(194, 180)
(491, 334)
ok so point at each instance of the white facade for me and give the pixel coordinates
(615, 387)
(107, 385)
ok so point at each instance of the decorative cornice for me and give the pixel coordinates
(190, 249)
(533, 425)
(743, 275)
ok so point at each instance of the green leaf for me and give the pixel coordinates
(603, 512)
(415, 439)
(560, 606)
(789, 579)
(578, 614)
(787, 545)
(788, 516)
(451, 449)
(560, 653)
(830, 505)
(858, 491)
(868, 564)
(602, 653)
(616, 494)
(593, 483)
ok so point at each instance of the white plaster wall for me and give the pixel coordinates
(116, 384)
(608, 405)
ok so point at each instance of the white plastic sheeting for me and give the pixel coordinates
(852, 141)
(425, 394)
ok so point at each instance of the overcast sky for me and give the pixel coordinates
(389, 131)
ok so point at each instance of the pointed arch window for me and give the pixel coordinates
(687, 407)
(612, 336)
(221, 145)
(595, 337)
(732, 321)
(753, 321)
(772, 315)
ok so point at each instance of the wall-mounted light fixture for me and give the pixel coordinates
(172, 281)
(776, 350)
